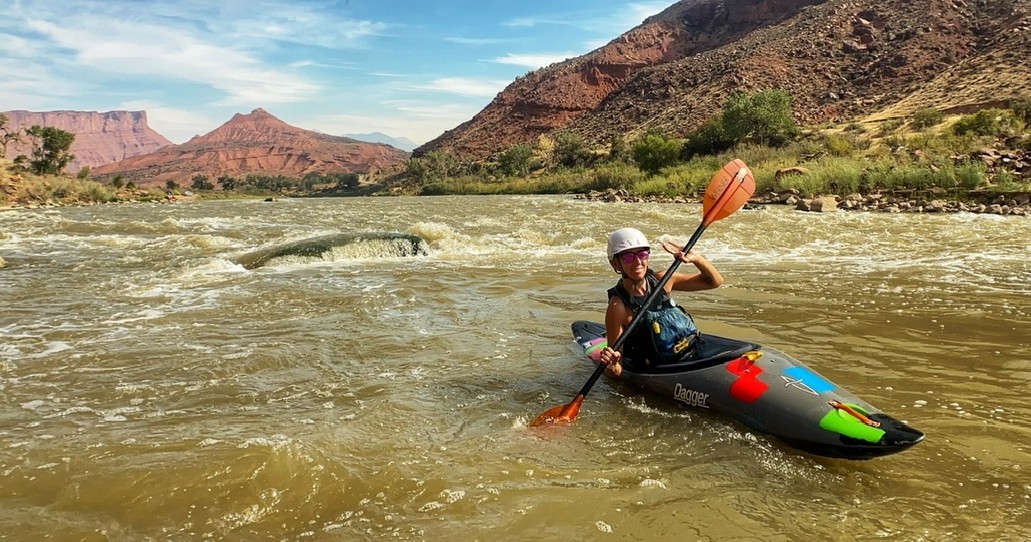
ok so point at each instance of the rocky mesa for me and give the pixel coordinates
(841, 60)
(256, 143)
(100, 138)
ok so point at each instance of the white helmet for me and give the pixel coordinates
(625, 239)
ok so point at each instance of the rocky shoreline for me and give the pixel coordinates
(930, 201)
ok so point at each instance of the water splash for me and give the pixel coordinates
(337, 247)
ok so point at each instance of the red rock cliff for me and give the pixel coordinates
(100, 138)
(839, 59)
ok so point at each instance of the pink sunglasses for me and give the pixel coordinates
(629, 257)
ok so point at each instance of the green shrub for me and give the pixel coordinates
(571, 151)
(619, 151)
(709, 138)
(926, 118)
(831, 175)
(764, 117)
(685, 179)
(435, 188)
(808, 185)
(516, 160)
(839, 145)
(614, 175)
(889, 127)
(1006, 180)
(654, 151)
(971, 175)
(986, 122)
(1022, 109)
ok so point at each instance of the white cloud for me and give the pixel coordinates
(465, 86)
(614, 22)
(178, 125)
(639, 11)
(301, 24)
(418, 121)
(479, 41)
(534, 61)
(118, 48)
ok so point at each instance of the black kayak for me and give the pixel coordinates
(769, 392)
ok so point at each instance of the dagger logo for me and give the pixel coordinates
(798, 384)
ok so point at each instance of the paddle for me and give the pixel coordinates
(728, 190)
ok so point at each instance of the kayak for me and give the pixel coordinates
(767, 391)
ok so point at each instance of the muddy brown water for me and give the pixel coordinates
(155, 389)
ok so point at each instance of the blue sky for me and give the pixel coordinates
(406, 68)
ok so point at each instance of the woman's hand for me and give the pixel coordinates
(613, 359)
(678, 251)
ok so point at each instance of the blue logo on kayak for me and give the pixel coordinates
(809, 379)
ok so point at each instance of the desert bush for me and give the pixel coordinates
(709, 138)
(1022, 110)
(516, 160)
(889, 127)
(1004, 179)
(614, 175)
(971, 175)
(686, 179)
(571, 151)
(839, 145)
(654, 151)
(987, 122)
(927, 118)
(763, 117)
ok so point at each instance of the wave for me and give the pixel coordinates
(336, 247)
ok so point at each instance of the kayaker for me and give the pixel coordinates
(667, 334)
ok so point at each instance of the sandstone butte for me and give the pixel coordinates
(255, 143)
(100, 138)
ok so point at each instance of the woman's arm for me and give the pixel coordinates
(617, 315)
(708, 276)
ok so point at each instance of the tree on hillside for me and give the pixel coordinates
(516, 160)
(227, 183)
(7, 135)
(49, 149)
(619, 151)
(571, 151)
(763, 118)
(654, 151)
(201, 183)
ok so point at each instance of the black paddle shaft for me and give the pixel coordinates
(647, 305)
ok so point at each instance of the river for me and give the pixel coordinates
(153, 388)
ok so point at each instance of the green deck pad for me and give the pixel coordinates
(843, 423)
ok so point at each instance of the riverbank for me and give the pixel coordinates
(901, 201)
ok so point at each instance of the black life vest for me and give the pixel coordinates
(667, 333)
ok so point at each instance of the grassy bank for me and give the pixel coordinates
(957, 157)
(19, 188)
(982, 153)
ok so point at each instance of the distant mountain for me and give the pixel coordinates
(402, 143)
(840, 60)
(100, 138)
(256, 143)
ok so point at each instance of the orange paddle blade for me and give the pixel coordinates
(728, 191)
(559, 414)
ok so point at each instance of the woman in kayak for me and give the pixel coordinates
(667, 333)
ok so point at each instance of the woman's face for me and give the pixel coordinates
(633, 263)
